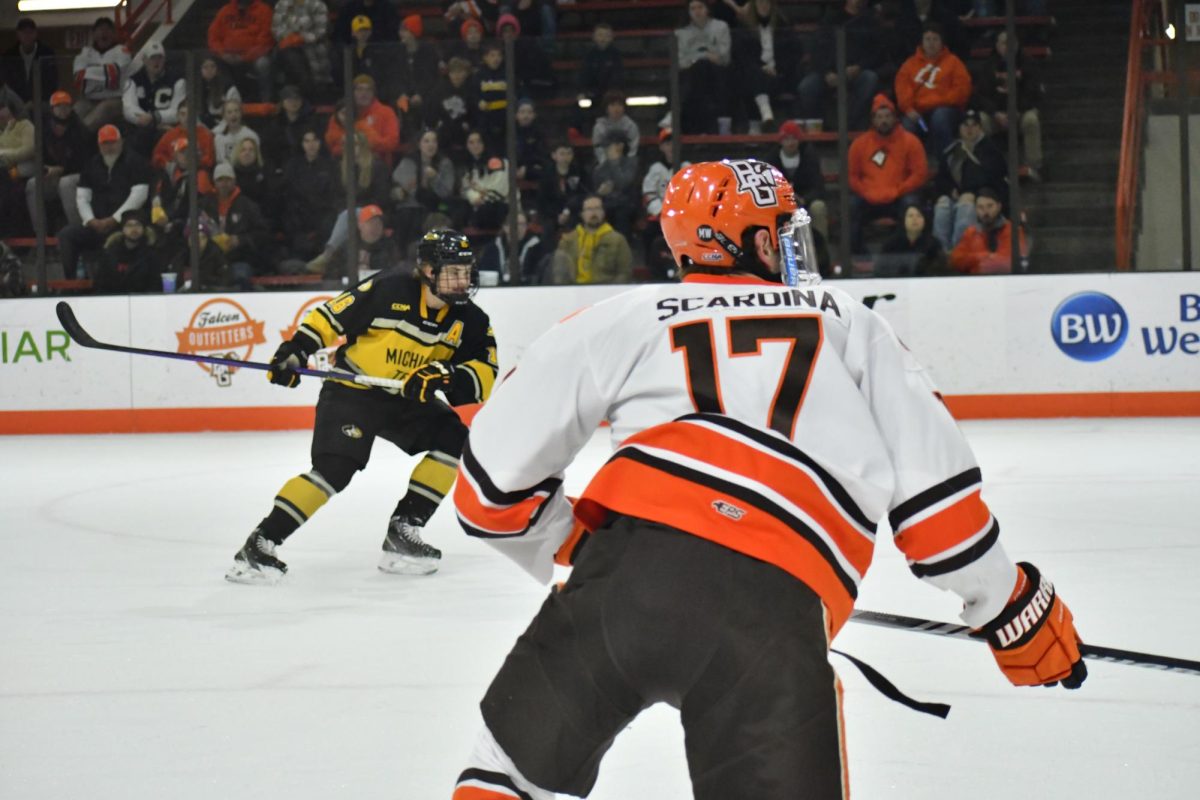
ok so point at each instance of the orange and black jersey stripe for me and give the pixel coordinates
(946, 527)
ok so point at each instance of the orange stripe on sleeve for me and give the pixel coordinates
(478, 793)
(512, 519)
(945, 529)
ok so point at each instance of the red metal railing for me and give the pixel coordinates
(1128, 176)
(134, 17)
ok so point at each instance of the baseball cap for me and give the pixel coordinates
(361, 22)
(368, 213)
(153, 49)
(364, 80)
(61, 98)
(972, 115)
(26, 23)
(223, 170)
(108, 133)
(290, 92)
(469, 23)
(414, 24)
(882, 101)
(791, 128)
(989, 193)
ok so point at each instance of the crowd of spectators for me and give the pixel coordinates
(430, 120)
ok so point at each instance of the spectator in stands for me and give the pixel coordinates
(26, 56)
(492, 90)
(764, 57)
(215, 275)
(422, 183)
(532, 154)
(615, 180)
(414, 74)
(991, 94)
(67, 146)
(932, 89)
(912, 250)
(239, 228)
(282, 135)
(704, 58)
(614, 121)
(367, 56)
(151, 100)
(113, 182)
(254, 179)
(311, 198)
(99, 74)
(170, 204)
(376, 250)
(470, 48)
(594, 252)
(129, 263)
(800, 164)
(240, 35)
(864, 44)
(970, 163)
(7, 95)
(17, 163)
(450, 110)
(382, 14)
(375, 120)
(300, 28)
(229, 134)
(486, 12)
(164, 151)
(602, 70)
(916, 14)
(371, 178)
(483, 186)
(561, 191)
(986, 246)
(659, 261)
(216, 87)
(534, 72)
(887, 167)
(494, 267)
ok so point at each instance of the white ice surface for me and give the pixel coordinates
(130, 669)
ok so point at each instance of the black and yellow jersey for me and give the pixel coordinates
(391, 332)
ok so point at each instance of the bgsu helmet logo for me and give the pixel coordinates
(221, 327)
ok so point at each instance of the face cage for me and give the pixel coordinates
(454, 298)
(797, 253)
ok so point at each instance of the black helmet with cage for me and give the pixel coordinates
(441, 248)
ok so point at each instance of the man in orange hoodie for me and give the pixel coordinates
(986, 247)
(887, 170)
(373, 118)
(164, 151)
(240, 35)
(932, 88)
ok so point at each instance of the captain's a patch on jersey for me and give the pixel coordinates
(757, 179)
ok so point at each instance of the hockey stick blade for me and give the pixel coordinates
(66, 317)
(1091, 652)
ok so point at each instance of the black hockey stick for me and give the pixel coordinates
(1088, 651)
(76, 331)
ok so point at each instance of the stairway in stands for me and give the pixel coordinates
(1073, 212)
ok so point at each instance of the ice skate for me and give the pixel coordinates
(256, 562)
(404, 552)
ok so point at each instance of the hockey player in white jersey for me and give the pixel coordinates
(761, 430)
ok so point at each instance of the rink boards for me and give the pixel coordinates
(1005, 346)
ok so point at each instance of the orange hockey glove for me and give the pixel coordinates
(1034, 639)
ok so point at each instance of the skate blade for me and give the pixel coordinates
(396, 564)
(243, 573)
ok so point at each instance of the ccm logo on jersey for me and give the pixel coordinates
(1029, 617)
(756, 178)
(728, 510)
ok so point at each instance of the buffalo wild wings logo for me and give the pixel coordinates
(323, 358)
(221, 327)
(756, 178)
(728, 509)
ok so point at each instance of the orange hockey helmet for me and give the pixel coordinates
(708, 207)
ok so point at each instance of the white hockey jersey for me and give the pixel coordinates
(778, 422)
(100, 76)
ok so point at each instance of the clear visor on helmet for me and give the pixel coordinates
(456, 283)
(798, 255)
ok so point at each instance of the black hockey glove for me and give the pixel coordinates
(422, 384)
(287, 359)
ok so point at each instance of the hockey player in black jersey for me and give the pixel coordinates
(422, 328)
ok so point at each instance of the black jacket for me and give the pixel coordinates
(110, 188)
(807, 178)
(70, 145)
(900, 257)
(281, 138)
(601, 70)
(243, 219)
(380, 255)
(991, 85)
(556, 192)
(310, 195)
(124, 270)
(971, 170)
(20, 80)
(864, 41)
